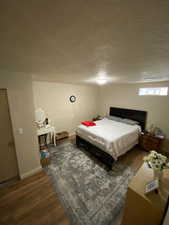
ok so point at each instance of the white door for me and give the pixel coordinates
(8, 161)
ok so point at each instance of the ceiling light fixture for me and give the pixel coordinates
(101, 81)
(102, 74)
(102, 78)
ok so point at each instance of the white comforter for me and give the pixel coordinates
(113, 137)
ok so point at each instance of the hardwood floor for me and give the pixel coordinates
(32, 201)
(133, 158)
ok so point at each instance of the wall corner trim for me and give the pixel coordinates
(31, 172)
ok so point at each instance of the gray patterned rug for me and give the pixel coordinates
(89, 193)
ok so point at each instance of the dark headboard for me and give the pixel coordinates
(137, 115)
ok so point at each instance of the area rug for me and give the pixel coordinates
(90, 194)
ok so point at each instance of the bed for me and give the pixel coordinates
(110, 139)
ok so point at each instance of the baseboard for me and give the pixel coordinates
(31, 172)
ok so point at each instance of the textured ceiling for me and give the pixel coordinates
(71, 41)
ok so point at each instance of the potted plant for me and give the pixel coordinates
(157, 162)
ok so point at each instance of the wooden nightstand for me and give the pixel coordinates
(149, 142)
(97, 118)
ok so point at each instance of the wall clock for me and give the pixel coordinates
(72, 98)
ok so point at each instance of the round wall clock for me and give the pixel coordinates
(72, 98)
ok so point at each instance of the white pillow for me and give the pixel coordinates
(115, 118)
(130, 122)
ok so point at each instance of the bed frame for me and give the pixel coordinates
(137, 115)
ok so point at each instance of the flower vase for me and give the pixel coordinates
(158, 174)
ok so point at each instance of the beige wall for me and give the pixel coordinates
(54, 99)
(20, 97)
(126, 96)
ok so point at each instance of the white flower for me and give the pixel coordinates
(156, 160)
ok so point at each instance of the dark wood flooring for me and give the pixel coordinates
(32, 201)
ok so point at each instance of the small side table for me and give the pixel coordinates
(44, 131)
(149, 142)
(97, 118)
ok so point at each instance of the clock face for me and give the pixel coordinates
(72, 98)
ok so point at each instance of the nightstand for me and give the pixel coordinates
(149, 142)
(97, 118)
